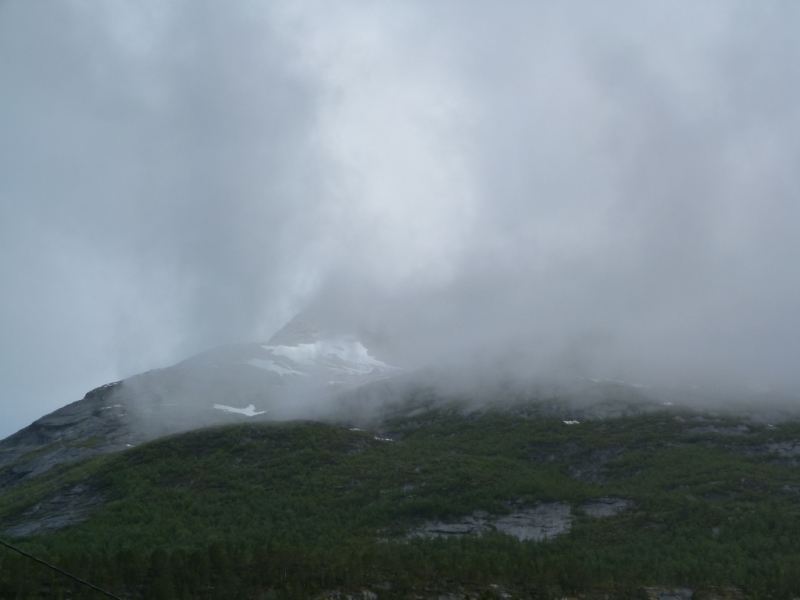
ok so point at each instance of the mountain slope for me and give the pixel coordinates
(296, 370)
(310, 465)
(442, 494)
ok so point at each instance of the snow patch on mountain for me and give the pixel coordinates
(343, 354)
(250, 411)
(340, 360)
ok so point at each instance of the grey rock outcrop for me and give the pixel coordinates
(605, 506)
(88, 427)
(669, 593)
(538, 522)
(66, 507)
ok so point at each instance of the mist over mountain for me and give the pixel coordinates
(309, 466)
(314, 369)
(507, 191)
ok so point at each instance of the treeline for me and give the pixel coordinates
(230, 571)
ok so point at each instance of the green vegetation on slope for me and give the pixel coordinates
(303, 507)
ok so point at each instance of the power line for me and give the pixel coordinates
(62, 571)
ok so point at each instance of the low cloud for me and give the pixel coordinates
(607, 190)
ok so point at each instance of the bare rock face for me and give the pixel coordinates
(605, 506)
(669, 593)
(89, 427)
(785, 449)
(538, 522)
(66, 507)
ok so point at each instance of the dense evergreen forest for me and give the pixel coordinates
(297, 510)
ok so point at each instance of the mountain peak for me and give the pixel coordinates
(306, 327)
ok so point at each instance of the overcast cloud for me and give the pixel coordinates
(612, 187)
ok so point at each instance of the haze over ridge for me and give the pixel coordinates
(609, 190)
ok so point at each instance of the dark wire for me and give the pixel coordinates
(63, 572)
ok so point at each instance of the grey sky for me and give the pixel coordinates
(612, 185)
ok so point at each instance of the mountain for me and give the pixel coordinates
(296, 373)
(310, 466)
(447, 499)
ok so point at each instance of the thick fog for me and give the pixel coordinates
(610, 189)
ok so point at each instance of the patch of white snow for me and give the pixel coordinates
(250, 411)
(354, 357)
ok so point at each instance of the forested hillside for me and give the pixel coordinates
(442, 500)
